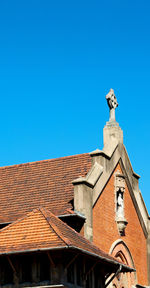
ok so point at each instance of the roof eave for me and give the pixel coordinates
(107, 260)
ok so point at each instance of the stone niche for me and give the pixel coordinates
(119, 203)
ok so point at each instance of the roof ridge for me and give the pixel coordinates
(79, 235)
(41, 161)
(53, 226)
(70, 228)
(43, 212)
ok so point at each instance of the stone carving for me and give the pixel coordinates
(120, 183)
(119, 192)
(112, 103)
(120, 205)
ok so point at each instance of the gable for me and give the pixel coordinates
(91, 186)
(105, 208)
(105, 229)
(109, 162)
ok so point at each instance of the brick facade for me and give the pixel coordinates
(105, 231)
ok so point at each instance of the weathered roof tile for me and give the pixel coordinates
(45, 183)
(42, 230)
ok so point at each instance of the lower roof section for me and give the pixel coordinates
(40, 230)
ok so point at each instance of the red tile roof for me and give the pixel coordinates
(42, 230)
(45, 183)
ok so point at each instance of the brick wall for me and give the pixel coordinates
(105, 230)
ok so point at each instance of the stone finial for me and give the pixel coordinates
(112, 103)
(112, 132)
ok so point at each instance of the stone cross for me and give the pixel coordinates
(112, 103)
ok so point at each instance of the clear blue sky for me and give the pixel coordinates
(58, 60)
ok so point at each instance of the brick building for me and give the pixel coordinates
(76, 221)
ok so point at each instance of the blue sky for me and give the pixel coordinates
(58, 60)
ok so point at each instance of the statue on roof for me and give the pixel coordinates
(112, 103)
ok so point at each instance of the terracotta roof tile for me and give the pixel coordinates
(45, 183)
(40, 229)
(32, 231)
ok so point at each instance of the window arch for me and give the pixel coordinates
(120, 250)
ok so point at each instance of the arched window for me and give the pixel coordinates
(120, 251)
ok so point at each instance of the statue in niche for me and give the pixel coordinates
(119, 194)
(120, 205)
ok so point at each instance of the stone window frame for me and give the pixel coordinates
(120, 249)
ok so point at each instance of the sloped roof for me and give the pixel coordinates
(45, 183)
(42, 230)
